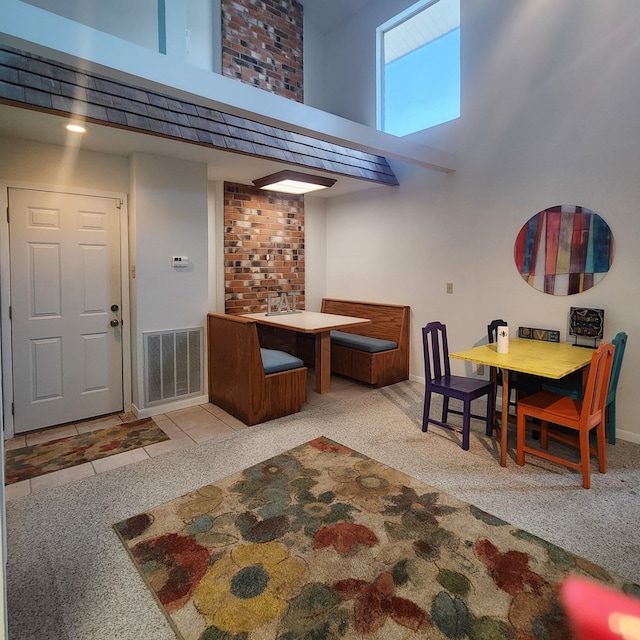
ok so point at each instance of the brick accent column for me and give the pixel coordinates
(263, 247)
(262, 45)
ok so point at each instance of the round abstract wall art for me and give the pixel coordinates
(564, 250)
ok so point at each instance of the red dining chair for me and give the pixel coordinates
(580, 416)
(438, 379)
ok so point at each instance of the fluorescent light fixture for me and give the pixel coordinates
(75, 128)
(293, 182)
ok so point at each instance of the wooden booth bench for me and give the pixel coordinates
(376, 353)
(251, 383)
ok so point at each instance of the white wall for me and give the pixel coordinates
(548, 117)
(134, 21)
(315, 252)
(168, 216)
(43, 164)
(350, 78)
(314, 66)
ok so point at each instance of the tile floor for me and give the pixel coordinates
(184, 427)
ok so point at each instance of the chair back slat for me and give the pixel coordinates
(436, 351)
(597, 386)
(620, 344)
(492, 330)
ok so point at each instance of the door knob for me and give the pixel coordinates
(114, 307)
(114, 323)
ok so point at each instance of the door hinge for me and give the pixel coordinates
(7, 214)
(119, 203)
(13, 409)
(9, 312)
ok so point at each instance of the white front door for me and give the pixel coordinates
(65, 307)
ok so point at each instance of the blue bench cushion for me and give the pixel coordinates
(362, 343)
(274, 361)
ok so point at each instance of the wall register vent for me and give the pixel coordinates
(173, 364)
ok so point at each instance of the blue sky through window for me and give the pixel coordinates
(422, 88)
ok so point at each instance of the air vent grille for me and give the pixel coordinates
(173, 364)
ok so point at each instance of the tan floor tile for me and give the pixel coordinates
(119, 460)
(204, 432)
(15, 443)
(51, 434)
(17, 490)
(170, 428)
(213, 408)
(58, 478)
(99, 423)
(127, 417)
(195, 418)
(174, 444)
(227, 418)
(182, 412)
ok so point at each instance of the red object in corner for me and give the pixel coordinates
(596, 612)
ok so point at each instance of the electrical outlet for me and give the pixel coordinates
(449, 287)
(480, 370)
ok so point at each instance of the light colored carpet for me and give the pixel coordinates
(70, 578)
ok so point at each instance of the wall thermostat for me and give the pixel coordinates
(179, 261)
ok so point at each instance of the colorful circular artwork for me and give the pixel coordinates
(564, 250)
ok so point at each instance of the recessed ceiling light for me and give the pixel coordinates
(76, 128)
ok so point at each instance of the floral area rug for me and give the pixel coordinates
(322, 542)
(38, 459)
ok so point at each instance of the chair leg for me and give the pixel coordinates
(602, 448)
(544, 435)
(490, 409)
(466, 424)
(425, 411)
(445, 408)
(585, 455)
(611, 421)
(521, 435)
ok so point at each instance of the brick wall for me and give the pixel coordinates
(262, 45)
(263, 247)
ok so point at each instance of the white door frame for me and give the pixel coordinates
(5, 292)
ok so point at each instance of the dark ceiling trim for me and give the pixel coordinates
(33, 82)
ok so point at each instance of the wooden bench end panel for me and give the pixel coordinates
(237, 381)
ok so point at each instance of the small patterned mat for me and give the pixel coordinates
(38, 459)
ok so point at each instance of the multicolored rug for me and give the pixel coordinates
(322, 542)
(38, 459)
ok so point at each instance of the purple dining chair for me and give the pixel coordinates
(438, 379)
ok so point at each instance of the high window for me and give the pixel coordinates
(419, 67)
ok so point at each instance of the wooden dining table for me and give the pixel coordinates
(552, 360)
(320, 324)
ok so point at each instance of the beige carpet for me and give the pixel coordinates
(69, 577)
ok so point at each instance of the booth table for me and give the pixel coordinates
(552, 360)
(320, 324)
